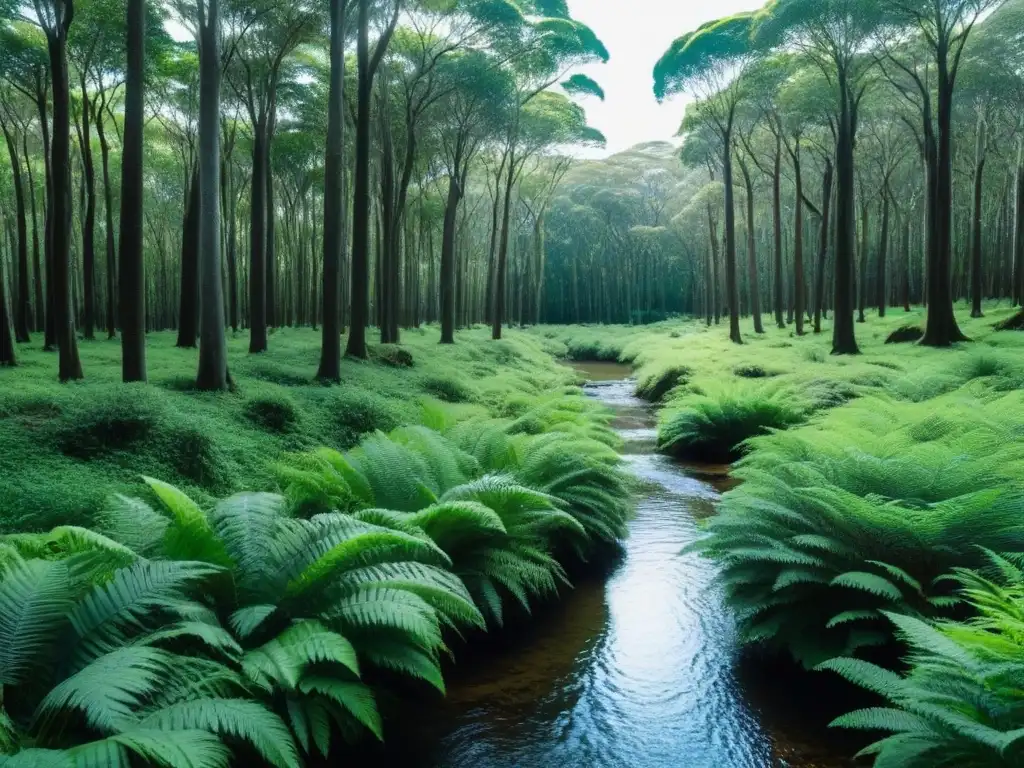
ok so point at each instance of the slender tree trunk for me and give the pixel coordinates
(883, 252)
(843, 340)
(1018, 229)
(132, 279)
(489, 292)
(108, 212)
(799, 289)
(334, 193)
(89, 217)
(270, 236)
(779, 299)
(863, 283)
(8, 357)
(21, 296)
(39, 320)
(188, 307)
(731, 287)
(941, 328)
(70, 366)
(258, 241)
(448, 262)
(755, 297)
(819, 273)
(213, 349)
(502, 266)
(361, 198)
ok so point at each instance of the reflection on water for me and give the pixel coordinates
(639, 672)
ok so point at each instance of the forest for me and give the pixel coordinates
(356, 404)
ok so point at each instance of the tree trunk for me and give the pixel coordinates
(843, 340)
(819, 272)
(88, 218)
(70, 366)
(731, 287)
(257, 240)
(361, 196)
(755, 297)
(39, 321)
(941, 328)
(448, 262)
(489, 292)
(270, 235)
(132, 279)
(213, 349)
(502, 266)
(334, 193)
(883, 253)
(8, 357)
(108, 212)
(1018, 229)
(779, 291)
(22, 302)
(188, 307)
(799, 289)
(863, 283)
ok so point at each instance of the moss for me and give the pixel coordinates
(392, 356)
(357, 413)
(448, 389)
(753, 372)
(272, 412)
(905, 334)
(114, 419)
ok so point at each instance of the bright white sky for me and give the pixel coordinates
(637, 33)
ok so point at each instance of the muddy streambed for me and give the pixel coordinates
(638, 670)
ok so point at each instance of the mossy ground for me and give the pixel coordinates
(65, 448)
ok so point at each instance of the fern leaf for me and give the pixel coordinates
(355, 698)
(868, 582)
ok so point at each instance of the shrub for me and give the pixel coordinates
(1012, 323)
(448, 389)
(905, 334)
(753, 372)
(393, 356)
(653, 386)
(357, 412)
(862, 513)
(273, 412)
(712, 427)
(193, 454)
(959, 704)
(90, 676)
(113, 419)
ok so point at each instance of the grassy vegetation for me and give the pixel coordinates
(66, 447)
(266, 624)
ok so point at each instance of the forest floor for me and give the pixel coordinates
(673, 359)
(65, 448)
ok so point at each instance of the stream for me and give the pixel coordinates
(636, 670)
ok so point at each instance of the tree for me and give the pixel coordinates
(132, 276)
(942, 28)
(833, 34)
(710, 63)
(334, 202)
(368, 63)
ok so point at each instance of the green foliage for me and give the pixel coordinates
(905, 334)
(657, 383)
(864, 512)
(713, 426)
(448, 388)
(276, 413)
(959, 704)
(358, 413)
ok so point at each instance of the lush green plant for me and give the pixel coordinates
(448, 388)
(273, 412)
(863, 513)
(657, 383)
(88, 669)
(959, 704)
(309, 602)
(712, 427)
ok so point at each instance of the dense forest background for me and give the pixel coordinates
(420, 156)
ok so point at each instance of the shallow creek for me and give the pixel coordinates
(636, 670)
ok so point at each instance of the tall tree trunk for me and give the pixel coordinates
(132, 278)
(89, 217)
(270, 250)
(8, 357)
(502, 266)
(50, 330)
(213, 349)
(863, 283)
(39, 320)
(799, 289)
(819, 272)
(70, 366)
(334, 194)
(489, 292)
(779, 291)
(448, 261)
(1018, 229)
(108, 212)
(188, 307)
(752, 276)
(883, 253)
(731, 287)
(941, 328)
(361, 197)
(21, 296)
(258, 241)
(843, 340)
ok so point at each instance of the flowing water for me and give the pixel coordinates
(639, 670)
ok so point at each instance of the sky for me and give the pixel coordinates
(636, 34)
